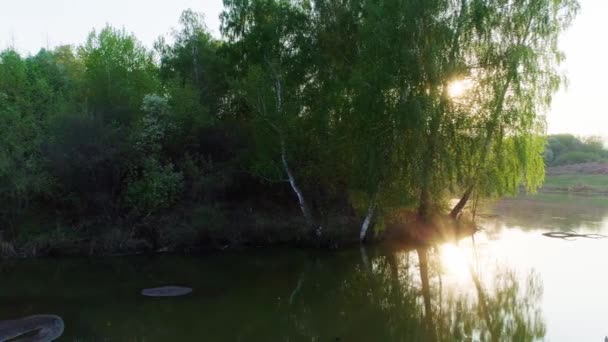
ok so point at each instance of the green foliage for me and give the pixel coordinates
(563, 149)
(153, 126)
(157, 187)
(89, 159)
(575, 157)
(28, 95)
(358, 92)
(193, 64)
(348, 100)
(118, 73)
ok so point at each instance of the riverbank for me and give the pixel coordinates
(200, 228)
(182, 231)
(588, 178)
(246, 293)
(208, 229)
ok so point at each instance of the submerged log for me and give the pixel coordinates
(37, 328)
(166, 291)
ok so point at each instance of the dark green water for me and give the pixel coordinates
(509, 283)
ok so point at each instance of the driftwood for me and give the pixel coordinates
(37, 328)
(166, 291)
(571, 235)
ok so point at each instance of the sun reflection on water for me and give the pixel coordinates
(455, 262)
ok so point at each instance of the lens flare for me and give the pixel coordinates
(459, 88)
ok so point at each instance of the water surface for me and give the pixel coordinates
(508, 283)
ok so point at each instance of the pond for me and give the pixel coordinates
(507, 283)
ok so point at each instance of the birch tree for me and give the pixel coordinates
(271, 39)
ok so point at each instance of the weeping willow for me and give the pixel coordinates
(366, 99)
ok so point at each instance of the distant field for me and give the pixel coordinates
(576, 183)
(593, 168)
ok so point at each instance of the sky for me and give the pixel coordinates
(29, 25)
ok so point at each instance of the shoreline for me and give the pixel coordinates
(405, 236)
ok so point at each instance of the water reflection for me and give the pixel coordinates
(357, 295)
(554, 211)
(404, 296)
(493, 308)
(487, 289)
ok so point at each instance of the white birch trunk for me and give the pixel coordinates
(365, 259)
(295, 188)
(368, 219)
(292, 181)
(297, 289)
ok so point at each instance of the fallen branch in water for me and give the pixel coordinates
(569, 235)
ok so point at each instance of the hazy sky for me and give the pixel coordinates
(32, 24)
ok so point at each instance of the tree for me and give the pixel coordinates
(194, 60)
(491, 140)
(25, 98)
(360, 104)
(151, 185)
(271, 38)
(118, 73)
(379, 78)
(568, 149)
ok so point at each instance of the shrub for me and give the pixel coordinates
(200, 223)
(89, 160)
(576, 157)
(157, 187)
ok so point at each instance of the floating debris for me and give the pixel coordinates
(166, 291)
(572, 235)
(38, 328)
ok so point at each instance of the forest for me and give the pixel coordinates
(566, 149)
(309, 122)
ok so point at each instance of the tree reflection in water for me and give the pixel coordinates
(397, 295)
(381, 294)
(500, 308)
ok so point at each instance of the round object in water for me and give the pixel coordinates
(166, 291)
(38, 328)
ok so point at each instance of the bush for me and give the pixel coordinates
(548, 155)
(157, 187)
(89, 159)
(191, 226)
(563, 149)
(576, 157)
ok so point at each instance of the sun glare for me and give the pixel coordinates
(454, 262)
(459, 88)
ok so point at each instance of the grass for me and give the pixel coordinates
(580, 200)
(577, 183)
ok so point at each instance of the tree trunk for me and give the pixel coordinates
(296, 189)
(292, 180)
(425, 205)
(394, 267)
(462, 203)
(365, 259)
(368, 218)
(297, 289)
